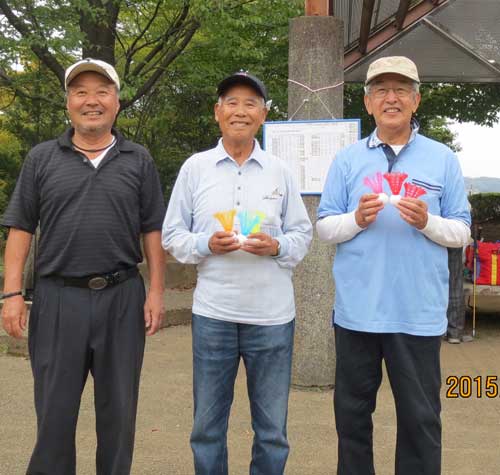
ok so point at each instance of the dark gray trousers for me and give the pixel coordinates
(456, 304)
(73, 331)
(414, 372)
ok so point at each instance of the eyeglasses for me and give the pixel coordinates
(400, 92)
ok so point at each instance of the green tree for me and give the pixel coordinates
(10, 162)
(176, 119)
(173, 115)
(141, 38)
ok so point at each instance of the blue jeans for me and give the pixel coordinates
(267, 355)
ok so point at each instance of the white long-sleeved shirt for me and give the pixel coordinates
(443, 231)
(238, 286)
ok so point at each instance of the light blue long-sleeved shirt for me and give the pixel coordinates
(391, 277)
(238, 286)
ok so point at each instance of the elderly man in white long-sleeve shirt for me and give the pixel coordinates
(391, 272)
(243, 303)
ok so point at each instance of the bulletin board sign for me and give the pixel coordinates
(309, 146)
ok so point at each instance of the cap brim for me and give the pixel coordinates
(368, 81)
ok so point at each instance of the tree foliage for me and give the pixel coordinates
(177, 119)
(172, 116)
(10, 162)
(141, 38)
(485, 207)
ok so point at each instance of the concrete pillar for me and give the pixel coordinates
(316, 59)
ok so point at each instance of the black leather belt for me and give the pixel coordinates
(100, 281)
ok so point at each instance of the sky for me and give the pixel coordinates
(480, 155)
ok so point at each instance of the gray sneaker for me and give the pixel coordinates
(453, 341)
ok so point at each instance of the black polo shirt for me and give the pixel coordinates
(90, 218)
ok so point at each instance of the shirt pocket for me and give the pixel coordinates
(433, 192)
(272, 207)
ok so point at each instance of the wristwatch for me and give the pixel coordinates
(278, 250)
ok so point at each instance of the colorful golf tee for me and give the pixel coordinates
(226, 219)
(250, 222)
(395, 181)
(413, 191)
(375, 183)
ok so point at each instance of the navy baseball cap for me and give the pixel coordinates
(242, 77)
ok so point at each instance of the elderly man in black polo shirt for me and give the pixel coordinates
(93, 193)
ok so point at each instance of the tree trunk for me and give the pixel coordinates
(98, 30)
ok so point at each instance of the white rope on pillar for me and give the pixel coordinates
(315, 92)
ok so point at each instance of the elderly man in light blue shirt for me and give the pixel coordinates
(243, 303)
(391, 272)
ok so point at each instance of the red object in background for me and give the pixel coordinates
(487, 262)
(413, 191)
(395, 181)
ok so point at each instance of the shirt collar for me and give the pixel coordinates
(257, 153)
(374, 141)
(124, 145)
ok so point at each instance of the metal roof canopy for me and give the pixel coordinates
(449, 40)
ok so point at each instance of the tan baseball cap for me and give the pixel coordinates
(94, 65)
(392, 64)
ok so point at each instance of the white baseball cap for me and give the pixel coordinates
(90, 64)
(392, 64)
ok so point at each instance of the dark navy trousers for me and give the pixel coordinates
(414, 372)
(73, 331)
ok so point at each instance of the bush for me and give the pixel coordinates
(485, 207)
